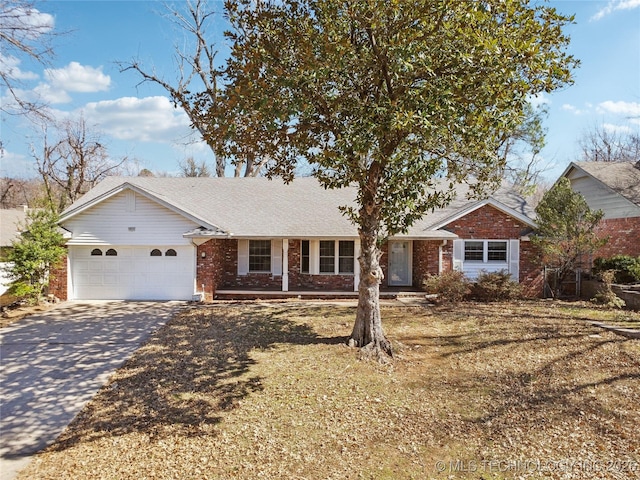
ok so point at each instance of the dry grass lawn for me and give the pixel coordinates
(270, 391)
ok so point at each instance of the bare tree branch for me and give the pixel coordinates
(73, 163)
(25, 32)
(197, 89)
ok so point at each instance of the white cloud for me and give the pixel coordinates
(10, 66)
(48, 94)
(78, 78)
(629, 109)
(150, 119)
(16, 165)
(611, 128)
(538, 100)
(615, 5)
(573, 109)
(27, 24)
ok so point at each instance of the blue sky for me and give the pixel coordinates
(138, 120)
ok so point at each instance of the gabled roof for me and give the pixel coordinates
(11, 221)
(259, 207)
(621, 177)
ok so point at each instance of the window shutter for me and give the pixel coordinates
(458, 255)
(514, 259)
(314, 257)
(243, 257)
(276, 257)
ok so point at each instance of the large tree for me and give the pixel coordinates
(600, 144)
(196, 87)
(71, 160)
(566, 233)
(402, 99)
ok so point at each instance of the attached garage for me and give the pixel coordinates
(132, 272)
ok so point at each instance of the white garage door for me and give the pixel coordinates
(132, 273)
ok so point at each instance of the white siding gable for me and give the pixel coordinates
(599, 197)
(128, 219)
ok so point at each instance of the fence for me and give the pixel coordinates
(570, 286)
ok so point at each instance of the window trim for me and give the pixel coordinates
(485, 251)
(314, 257)
(263, 256)
(304, 256)
(325, 257)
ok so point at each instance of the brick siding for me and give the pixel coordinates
(488, 222)
(426, 259)
(624, 237)
(219, 270)
(58, 280)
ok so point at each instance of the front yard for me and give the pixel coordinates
(523, 390)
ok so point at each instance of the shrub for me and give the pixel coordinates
(495, 286)
(450, 286)
(626, 268)
(608, 297)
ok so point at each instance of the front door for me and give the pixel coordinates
(399, 264)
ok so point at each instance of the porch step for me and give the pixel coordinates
(307, 294)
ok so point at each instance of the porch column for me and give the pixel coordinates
(356, 265)
(285, 264)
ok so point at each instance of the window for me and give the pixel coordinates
(304, 257)
(259, 255)
(111, 253)
(497, 251)
(156, 253)
(96, 252)
(485, 251)
(473, 251)
(170, 253)
(346, 253)
(327, 256)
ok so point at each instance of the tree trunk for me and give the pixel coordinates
(367, 330)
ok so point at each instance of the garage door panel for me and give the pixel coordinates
(133, 274)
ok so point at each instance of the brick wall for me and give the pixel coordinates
(219, 270)
(58, 280)
(426, 258)
(624, 237)
(305, 281)
(209, 267)
(490, 223)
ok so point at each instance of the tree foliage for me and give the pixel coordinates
(402, 99)
(520, 150)
(31, 257)
(566, 232)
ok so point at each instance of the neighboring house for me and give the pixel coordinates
(613, 188)
(11, 221)
(170, 238)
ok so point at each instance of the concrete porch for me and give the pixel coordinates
(386, 293)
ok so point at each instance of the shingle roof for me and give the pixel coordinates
(259, 207)
(622, 177)
(10, 222)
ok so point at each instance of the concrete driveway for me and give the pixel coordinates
(54, 362)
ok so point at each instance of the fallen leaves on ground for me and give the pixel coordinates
(522, 390)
